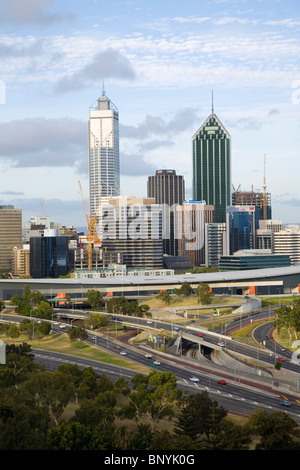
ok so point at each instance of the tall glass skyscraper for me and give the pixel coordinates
(212, 166)
(104, 165)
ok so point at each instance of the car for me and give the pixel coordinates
(281, 359)
(200, 336)
(267, 336)
(221, 344)
(285, 403)
(118, 347)
(62, 326)
(56, 323)
(93, 337)
(282, 349)
(194, 379)
(176, 328)
(123, 353)
(222, 382)
(148, 356)
(149, 321)
(157, 363)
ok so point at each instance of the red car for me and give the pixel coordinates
(198, 334)
(222, 382)
(280, 359)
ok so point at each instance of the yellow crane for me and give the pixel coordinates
(92, 237)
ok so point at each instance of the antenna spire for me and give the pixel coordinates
(212, 102)
(103, 90)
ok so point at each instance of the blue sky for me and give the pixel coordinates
(159, 61)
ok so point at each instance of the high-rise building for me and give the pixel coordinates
(287, 241)
(168, 189)
(257, 199)
(133, 226)
(240, 222)
(215, 243)
(104, 165)
(212, 166)
(10, 235)
(49, 255)
(191, 221)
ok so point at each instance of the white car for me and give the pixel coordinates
(93, 337)
(56, 323)
(149, 321)
(123, 353)
(148, 356)
(62, 326)
(194, 379)
(157, 363)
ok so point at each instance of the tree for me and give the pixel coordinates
(153, 396)
(77, 333)
(186, 289)
(95, 321)
(51, 390)
(44, 310)
(199, 415)
(95, 299)
(277, 430)
(165, 296)
(204, 294)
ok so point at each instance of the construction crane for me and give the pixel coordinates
(265, 191)
(92, 237)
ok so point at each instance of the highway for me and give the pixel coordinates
(237, 395)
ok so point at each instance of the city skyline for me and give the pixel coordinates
(159, 63)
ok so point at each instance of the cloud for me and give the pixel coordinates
(156, 125)
(29, 12)
(135, 165)
(40, 142)
(106, 64)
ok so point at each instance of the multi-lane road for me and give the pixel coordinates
(239, 394)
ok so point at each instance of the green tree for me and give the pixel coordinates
(165, 296)
(77, 333)
(43, 310)
(186, 289)
(51, 390)
(95, 299)
(277, 431)
(204, 294)
(95, 321)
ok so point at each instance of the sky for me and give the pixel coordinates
(159, 62)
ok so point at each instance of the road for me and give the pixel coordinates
(238, 395)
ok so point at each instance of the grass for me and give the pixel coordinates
(61, 343)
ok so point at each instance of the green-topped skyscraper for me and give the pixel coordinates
(212, 166)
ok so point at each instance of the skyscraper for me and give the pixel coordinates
(212, 166)
(168, 189)
(104, 165)
(10, 235)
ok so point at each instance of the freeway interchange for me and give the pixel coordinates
(241, 393)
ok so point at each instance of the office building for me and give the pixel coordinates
(104, 165)
(133, 226)
(240, 222)
(168, 189)
(253, 259)
(265, 233)
(257, 199)
(215, 243)
(287, 241)
(212, 166)
(49, 255)
(191, 220)
(10, 235)
(21, 261)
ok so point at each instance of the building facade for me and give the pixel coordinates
(240, 222)
(10, 235)
(287, 241)
(212, 166)
(215, 243)
(192, 218)
(104, 164)
(168, 189)
(49, 256)
(133, 226)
